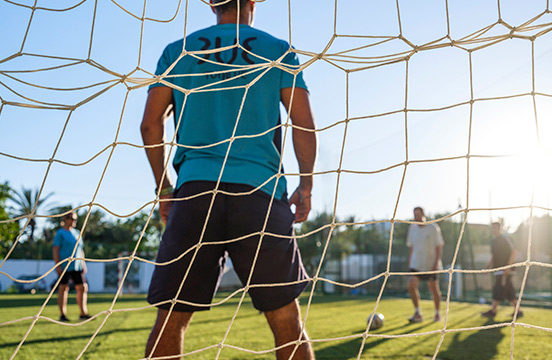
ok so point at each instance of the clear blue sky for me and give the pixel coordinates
(437, 78)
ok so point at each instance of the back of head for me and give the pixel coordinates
(223, 6)
(496, 228)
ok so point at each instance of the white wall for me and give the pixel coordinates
(95, 275)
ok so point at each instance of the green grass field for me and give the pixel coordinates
(125, 333)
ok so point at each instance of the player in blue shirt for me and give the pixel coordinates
(226, 102)
(65, 241)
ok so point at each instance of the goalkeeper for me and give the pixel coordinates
(503, 253)
(237, 93)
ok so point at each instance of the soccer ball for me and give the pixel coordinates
(377, 321)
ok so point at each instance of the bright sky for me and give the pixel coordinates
(436, 78)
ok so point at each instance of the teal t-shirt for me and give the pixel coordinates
(66, 240)
(206, 119)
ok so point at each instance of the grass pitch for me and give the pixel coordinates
(334, 322)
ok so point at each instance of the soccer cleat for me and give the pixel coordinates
(85, 317)
(416, 318)
(520, 314)
(64, 318)
(489, 314)
(437, 317)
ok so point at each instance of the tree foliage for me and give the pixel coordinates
(8, 230)
(25, 202)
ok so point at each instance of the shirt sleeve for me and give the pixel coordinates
(409, 237)
(58, 239)
(162, 65)
(438, 236)
(287, 78)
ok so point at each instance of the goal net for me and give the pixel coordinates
(442, 103)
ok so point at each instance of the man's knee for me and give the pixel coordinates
(433, 285)
(177, 321)
(288, 311)
(285, 321)
(413, 283)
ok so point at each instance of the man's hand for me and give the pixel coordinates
(165, 207)
(301, 198)
(305, 146)
(153, 133)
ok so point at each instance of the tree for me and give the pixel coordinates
(311, 246)
(25, 202)
(8, 230)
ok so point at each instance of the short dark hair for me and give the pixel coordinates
(69, 215)
(419, 208)
(230, 5)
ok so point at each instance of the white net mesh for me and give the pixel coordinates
(439, 92)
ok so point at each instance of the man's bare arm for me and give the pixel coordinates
(511, 260)
(153, 133)
(305, 146)
(438, 252)
(55, 255)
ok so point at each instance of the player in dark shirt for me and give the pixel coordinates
(503, 253)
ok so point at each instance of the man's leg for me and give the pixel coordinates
(413, 283)
(436, 295)
(285, 324)
(172, 338)
(62, 299)
(82, 297)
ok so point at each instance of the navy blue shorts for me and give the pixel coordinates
(503, 288)
(424, 277)
(76, 276)
(231, 217)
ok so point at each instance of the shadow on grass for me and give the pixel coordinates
(18, 300)
(77, 337)
(479, 345)
(350, 348)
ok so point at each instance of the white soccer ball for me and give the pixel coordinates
(377, 321)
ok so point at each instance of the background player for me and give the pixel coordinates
(64, 244)
(503, 253)
(426, 245)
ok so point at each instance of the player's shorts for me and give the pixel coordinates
(503, 288)
(237, 218)
(76, 276)
(424, 277)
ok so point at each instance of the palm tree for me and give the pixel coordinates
(25, 201)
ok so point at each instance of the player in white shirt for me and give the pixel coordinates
(426, 245)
